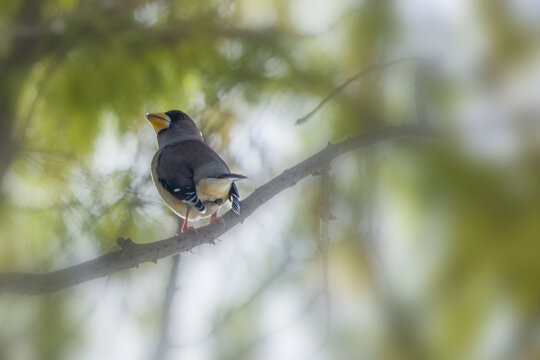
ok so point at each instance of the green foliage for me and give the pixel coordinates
(429, 240)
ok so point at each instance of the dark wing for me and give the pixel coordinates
(234, 196)
(175, 173)
(185, 194)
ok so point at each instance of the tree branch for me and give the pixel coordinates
(355, 77)
(132, 254)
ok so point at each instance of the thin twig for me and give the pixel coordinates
(163, 343)
(324, 241)
(132, 254)
(355, 77)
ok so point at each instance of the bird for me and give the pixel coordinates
(192, 179)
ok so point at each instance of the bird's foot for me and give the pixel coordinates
(217, 218)
(189, 228)
(214, 217)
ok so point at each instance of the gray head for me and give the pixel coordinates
(174, 126)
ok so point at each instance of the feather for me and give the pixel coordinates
(232, 177)
(234, 197)
(185, 194)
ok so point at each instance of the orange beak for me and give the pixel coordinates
(159, 121)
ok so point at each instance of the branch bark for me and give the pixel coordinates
(133, 254)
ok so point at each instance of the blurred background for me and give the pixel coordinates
(434, 249)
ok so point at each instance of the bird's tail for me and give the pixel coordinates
(232, 177)
(234, 197)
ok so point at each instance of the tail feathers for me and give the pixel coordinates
(234, 196)
(232, 177)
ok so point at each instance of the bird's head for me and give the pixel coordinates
(162, 121)
(173, 126)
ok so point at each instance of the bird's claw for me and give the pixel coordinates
(220, 219)
(190, 228)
